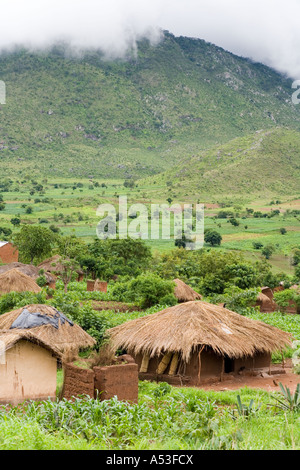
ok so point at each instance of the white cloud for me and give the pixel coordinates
(265, 30)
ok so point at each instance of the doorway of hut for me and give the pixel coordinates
(228, 365)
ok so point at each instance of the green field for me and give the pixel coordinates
(72, 209)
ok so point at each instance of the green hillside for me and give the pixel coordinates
(87, 116)
(265, 163)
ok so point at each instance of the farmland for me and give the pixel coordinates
(71, 208)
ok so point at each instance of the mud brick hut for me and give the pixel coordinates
(28, 269)
(197, 342)
(28, 367)
(47, 324)
(8, 253)
(15, 281)
(185, 293)
(265, 302)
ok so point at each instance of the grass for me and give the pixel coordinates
(74, 211)
(166, 418)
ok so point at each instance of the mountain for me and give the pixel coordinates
(83, 116)
(265, 163)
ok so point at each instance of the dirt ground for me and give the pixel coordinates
(269, 383)
(113, 305)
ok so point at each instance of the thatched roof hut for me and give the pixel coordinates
(10, 338)
(47, 324)
(185, 293)
(268, 292)
(187, 331)
(28, 367)
(15, 281)
(265, 303)
(54, 265)
(28, 269)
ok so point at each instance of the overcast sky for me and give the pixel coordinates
(264, 30)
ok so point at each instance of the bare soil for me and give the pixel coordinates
(266, 382)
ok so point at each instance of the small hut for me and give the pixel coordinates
(265, 303)
(8, 252)
(49, 325)
(197, 342)
(28, 269)
(185, 293)
(28, 367)
(268, 292)
(15, 281)
(55, 266)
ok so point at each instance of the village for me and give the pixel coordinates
(193, 343)
(149, 228)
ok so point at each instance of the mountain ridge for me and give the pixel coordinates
(90, 117)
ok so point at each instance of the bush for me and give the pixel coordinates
(146, 290)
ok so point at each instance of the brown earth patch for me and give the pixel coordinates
(116, 306)
(269, 383)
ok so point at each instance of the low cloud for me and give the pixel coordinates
(265, 30)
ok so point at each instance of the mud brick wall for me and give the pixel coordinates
(120, 380)
(8, 254)
(90, 285)
(77, 382)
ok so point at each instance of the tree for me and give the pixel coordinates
(70, 246)
(15, 221)
(68, 271)
(119, 257)
(147, 289)
(213, 237)
(296, 257)
(257, 245)
(267, 251)
(34, 242)
(234, 222)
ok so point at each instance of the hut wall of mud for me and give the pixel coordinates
(101, 382)
(203, 367)
(8, 253)
(119, 380)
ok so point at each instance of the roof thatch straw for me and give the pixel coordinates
(15, 281)
(10, 337)
(28, 269)
(185, 327)
(55, 265)
(185, 293)
(268, 292)
(49, 325)
(265, 303)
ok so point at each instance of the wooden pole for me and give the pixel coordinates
(173, 365)
(145, 363)
(199, 360)
(164, 363)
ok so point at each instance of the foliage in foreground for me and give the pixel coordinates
(165, 418)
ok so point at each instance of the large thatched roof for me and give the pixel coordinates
(28, 269)
(10, 337)
(185, 293)
(49, 325)
(15, 281)
(185, 327)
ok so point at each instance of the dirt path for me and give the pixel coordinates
(269, 383)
